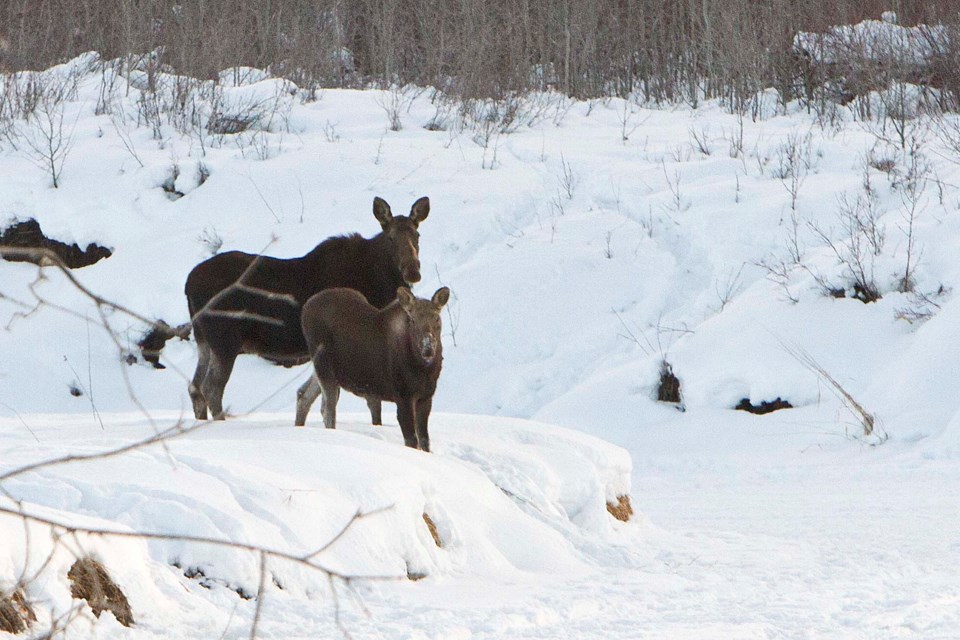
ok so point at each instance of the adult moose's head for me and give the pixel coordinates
(402, 234)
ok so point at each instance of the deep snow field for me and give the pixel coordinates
(582, 248)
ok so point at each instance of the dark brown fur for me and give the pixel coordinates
(244, 303)
(391, 354)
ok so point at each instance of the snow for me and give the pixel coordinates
(875, 40)
(577, 263)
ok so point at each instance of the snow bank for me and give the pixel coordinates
(507, 498)
(875, 40)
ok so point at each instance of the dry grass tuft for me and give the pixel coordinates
(866, 419)
(433, 530)
(91, 582)
(16, 615)
(623, 510)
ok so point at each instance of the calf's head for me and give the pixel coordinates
(401, 232)
(423, 322)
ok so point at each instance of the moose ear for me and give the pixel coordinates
(420, 210)
(405, 296)
(440, 297)
(381, 211)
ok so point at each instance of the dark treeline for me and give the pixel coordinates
(663, 50)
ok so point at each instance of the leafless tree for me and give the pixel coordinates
(45, 137)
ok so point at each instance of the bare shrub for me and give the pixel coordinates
(395, 102)
(881, 158)
(211, 240)
(330, 131)
(629, 123)
(120, 122)
(44, 138)
(922, 306)
(149, 113)
(858, 244)
(677, 203)
(795, 160)
(568, 178)
(912, 187)
(109, 77)
(729, 287)
(903, 113)
(701, 140)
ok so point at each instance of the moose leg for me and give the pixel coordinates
(423, 407)
(376, 413)
(328, 406)
(218, 373)
(203, 364)
(306, 395)
(405, 417)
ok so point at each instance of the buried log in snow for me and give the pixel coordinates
(90, 582)
(26, 235)
(764, 407)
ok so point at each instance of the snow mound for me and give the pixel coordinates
(506, 497)
(874, 40)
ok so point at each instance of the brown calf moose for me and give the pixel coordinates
(392, 354)
(244, 303)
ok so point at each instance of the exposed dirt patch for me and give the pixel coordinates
(433, 530)
(864, 293)
(16, 615)
(414, 575)
(764, 407)
(623, 510)
(205, 581)
(669, 388)
(90, 582)
(28, 235)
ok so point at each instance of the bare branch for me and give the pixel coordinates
(61, 526)
(175, 431)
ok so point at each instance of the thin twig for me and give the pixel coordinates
(258, 609)
(175, 431)
(304, 560)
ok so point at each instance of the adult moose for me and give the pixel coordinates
(391, 354)
(244, 303)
